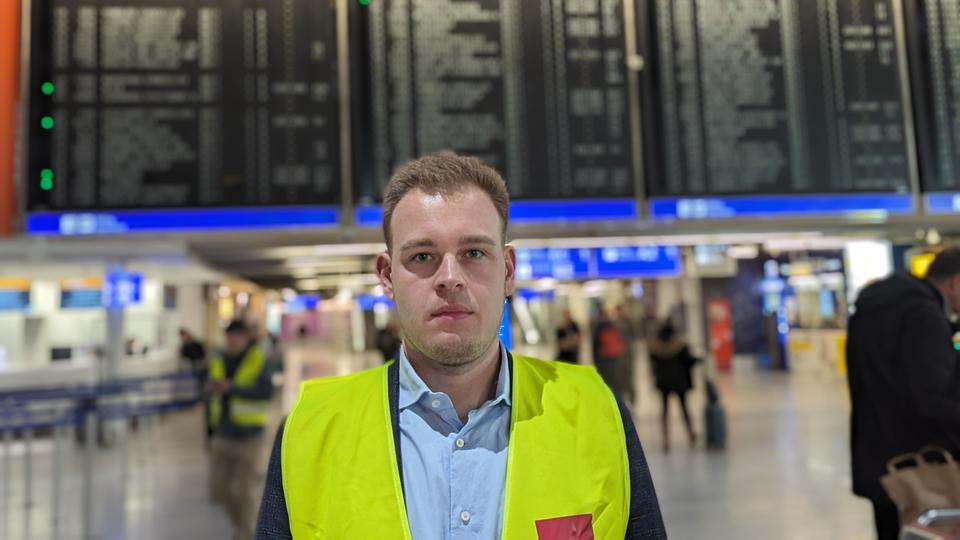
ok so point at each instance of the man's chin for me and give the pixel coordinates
(453, 350)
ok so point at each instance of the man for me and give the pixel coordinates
(904, 376)
(192, 351)
(457, 438)
(610, 350)
(568, 339)
(628, 374)
(240, 386)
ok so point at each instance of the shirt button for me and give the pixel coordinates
(435, 403)
(465, 517)
(460, 444)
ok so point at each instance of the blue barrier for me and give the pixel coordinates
(90, 390)
(31, 409)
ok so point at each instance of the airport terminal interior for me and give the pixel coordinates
(175, 173)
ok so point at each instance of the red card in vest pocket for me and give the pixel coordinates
(566, 528)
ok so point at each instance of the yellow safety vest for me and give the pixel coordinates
(243, 412)
(567, 456)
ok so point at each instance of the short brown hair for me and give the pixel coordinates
(445, 173)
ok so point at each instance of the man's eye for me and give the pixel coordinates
(475, 253)
(421, 257)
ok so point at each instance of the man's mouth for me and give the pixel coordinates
(453, 312)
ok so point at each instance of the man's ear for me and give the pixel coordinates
(385, 273)
(510, 260)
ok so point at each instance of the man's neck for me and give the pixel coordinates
(469, 386)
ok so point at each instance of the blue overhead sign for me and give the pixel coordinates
(122, 289)
(303, 302)
(942, 203)
(368, 301)
(179, 220)
(692, 208)
(592, 263)
(559, 263)
(638, 261)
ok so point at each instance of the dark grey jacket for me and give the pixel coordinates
(904, 378)
(645, 521)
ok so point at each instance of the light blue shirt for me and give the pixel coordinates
(454, 474)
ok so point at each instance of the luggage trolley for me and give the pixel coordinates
(934, 525)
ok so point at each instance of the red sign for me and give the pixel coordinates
(720, 321)
(566, 528)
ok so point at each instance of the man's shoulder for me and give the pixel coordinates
(329, 394)
(567, 372)
(320, 386)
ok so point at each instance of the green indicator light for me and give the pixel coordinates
(46, 122)
(46, 173)
(364, 2)
(46, 184)
(956, 346)
(47, 88)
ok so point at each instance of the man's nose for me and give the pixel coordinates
(450, 274)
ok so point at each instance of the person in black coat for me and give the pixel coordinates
(904, 376)
(672, 364)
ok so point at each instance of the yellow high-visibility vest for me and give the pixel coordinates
(567, 456)
(243, 412)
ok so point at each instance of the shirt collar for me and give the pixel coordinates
(412, 387)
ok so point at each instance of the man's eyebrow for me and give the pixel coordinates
(417, 243)
(477, 239)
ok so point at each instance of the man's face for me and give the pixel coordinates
(448, 273)
(236, 342)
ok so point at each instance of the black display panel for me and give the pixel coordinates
(775, 97)
(536, 88)
(182, 103)
(935, 48)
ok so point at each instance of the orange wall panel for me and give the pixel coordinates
(9, 82)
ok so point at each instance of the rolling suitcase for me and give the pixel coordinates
(716, 419)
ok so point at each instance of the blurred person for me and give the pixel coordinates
(193, 352)
(568, 339)
(627, 374)
(388, 341)
(904, 376)
(133, 347)
(426, 437)
(240, 387)
(275, 356)
(672, 364)
(610, 350)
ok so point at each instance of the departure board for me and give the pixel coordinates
(774, 97)
(938, 45)
(536, 88)
(183, 103)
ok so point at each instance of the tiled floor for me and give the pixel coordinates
(784, 475)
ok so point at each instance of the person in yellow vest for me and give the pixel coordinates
(239, 387)
(457, 437)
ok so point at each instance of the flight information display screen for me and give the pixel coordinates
(771, 97)
(536, 88)
(182, 103)
(936, 41)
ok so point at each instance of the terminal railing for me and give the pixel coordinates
(92, 413)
